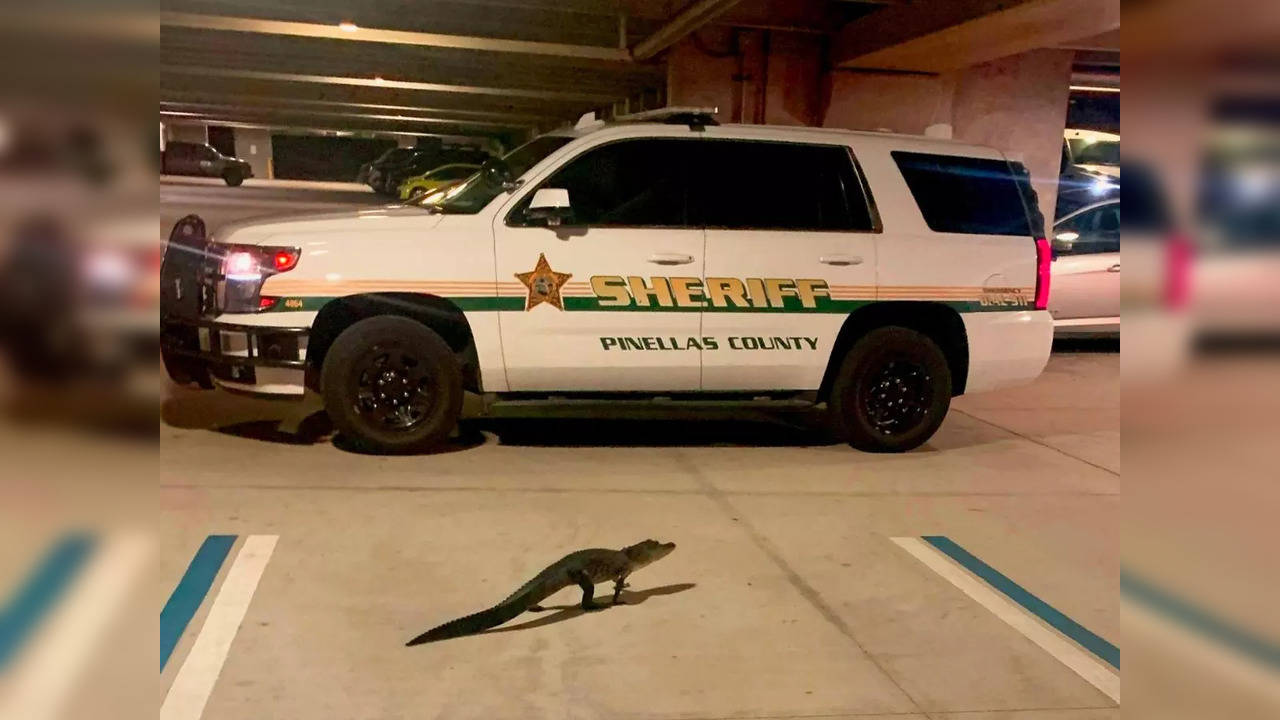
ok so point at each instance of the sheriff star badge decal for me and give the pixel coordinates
(544, 285)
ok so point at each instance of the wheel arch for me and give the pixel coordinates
(433, 311)
(941, 323)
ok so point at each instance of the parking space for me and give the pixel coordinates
(786, 597)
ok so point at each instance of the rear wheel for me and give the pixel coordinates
(391, 384)
(892, 391)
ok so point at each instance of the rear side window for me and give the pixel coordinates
(967, 195)
(745, 185)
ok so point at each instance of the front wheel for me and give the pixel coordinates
(892, 391)
(232, 177)
(391, 384)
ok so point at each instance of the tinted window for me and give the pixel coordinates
(477, 192)
(965, 195)
(778, 186)
(633, 183)
(1092, 231)
(207, 153)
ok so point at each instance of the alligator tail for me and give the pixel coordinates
(475, 622)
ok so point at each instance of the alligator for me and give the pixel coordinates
(583, 568)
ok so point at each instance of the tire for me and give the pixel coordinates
(408, 355)
(892, 391)
(232, 177)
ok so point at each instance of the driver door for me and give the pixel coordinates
(596, 303)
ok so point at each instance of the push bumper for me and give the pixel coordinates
(244, 356)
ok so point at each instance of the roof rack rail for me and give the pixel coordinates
(694, 117)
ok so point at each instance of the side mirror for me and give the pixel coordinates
(549, 206)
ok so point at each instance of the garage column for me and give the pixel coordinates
(254, 145)
(1018, 104)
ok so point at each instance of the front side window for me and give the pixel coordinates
(752, 185)
(631, 183)
(957, 194)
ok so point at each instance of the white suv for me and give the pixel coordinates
(878, 274)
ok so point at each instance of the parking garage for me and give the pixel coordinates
(972, 577)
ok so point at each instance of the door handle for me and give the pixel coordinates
(670, 259)
(840, 260)
(1114, 268)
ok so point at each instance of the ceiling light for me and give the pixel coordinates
(378, 79)
(348, 26)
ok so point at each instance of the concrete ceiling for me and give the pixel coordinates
(499, 68)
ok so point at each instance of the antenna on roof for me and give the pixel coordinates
(696, 118)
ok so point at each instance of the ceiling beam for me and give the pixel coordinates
(1028, 26)
(182, 97)
(686, 21)
(393, 37)
(411, 119)
(185, 117)
(563, 95)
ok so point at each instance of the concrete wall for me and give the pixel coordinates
(884, 101)
(254, 145)
(187, 132)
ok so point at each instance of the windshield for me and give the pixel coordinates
(471, 196)
(1101, 152)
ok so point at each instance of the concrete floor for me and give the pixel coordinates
(784, 599)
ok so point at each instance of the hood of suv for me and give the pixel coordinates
(309, 228)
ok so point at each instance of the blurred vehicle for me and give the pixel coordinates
(187, 158)
(1090, 170)
(423, 160)
(371, 172)
(442, 176)
(1085, 296)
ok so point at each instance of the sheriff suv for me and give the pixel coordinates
(632, 261)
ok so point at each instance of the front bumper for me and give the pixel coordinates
(202, 351)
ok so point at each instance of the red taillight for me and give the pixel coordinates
(1044, 265)
(1177, 286)
(284, 260)
(266, 302)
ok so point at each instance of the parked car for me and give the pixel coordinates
(442, 176)
(371, 173)
(1086, 272)
(637, 262)
(1090, 171)
(187, 158)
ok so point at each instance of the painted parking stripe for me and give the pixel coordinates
(189, 594)
(199, 672)
(46, 674)
(1084, 638)
(1082, 663)
(41, 591)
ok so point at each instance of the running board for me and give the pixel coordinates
(568, 406)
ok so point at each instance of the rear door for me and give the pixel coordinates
(1086, 265)
(791, 251)
(603, 302)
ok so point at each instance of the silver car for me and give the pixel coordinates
(1084, 297)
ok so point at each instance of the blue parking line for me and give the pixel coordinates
(1256, 648)
(190, 592)
(41, 591)
(1104, 650)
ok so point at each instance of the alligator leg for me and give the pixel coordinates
(588, 590)
(618, 585)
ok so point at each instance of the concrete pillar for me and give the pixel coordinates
(187, 132)
(1018, 104)
(897, 102)
(254, 146)
(793, 79)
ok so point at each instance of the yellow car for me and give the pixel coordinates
(419, 185)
